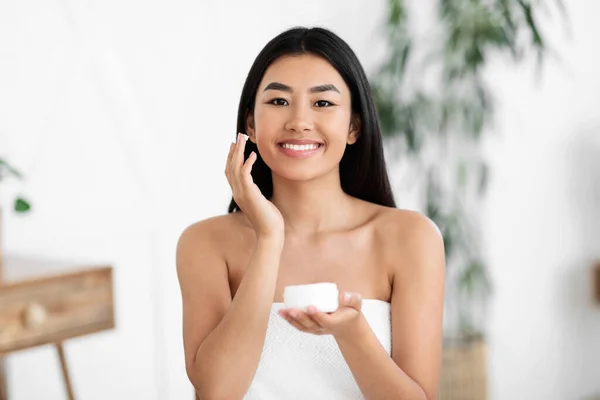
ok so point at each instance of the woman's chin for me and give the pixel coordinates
(299, 174)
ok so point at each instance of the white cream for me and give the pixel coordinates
(324, 296)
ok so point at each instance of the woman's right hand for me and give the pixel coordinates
(262, 214)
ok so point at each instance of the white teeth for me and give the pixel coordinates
(300, 147)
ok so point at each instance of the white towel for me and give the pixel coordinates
(297, 365)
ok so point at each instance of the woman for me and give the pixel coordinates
(311, 203)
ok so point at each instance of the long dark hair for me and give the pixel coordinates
(363, 172)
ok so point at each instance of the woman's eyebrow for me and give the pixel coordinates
(324, 88)
(278, 86)
(285, 88)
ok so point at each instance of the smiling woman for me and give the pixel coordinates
(303, 117)
(311, 203)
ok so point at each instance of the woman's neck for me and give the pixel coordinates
(310, 207)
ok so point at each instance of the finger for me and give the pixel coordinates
(304, 320)
(229, 156)
(295, 324)
(350, 299)
(237, 160)
(285, 314)
(318, 317)
(247, 168)
(238, 157)
(341, 318)
(234, 156)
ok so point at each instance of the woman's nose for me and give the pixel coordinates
(299, 120)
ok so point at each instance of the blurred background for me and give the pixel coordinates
(115, 122)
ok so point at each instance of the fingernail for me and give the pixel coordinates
(237, 139)
(293, 314)
(347, 297)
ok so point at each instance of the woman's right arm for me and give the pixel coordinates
(223, 338)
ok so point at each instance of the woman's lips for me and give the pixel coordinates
(300, 149)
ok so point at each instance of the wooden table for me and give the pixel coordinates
(45, 302)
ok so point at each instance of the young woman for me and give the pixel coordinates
(311, 203)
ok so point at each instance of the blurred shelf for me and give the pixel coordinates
(50, 301)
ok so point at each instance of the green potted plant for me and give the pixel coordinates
(435, 106)
(19, 205)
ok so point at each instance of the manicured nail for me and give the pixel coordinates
(293, 314)
(347, 297)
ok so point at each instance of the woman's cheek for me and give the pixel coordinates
(269, 118)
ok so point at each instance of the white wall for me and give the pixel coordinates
(120, 114)
(543, 219)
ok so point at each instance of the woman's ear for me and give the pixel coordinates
(354, 131)
(250, 128)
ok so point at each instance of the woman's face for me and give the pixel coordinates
(302, 118)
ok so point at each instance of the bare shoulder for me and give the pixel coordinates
(407, 225)
(407, 237)
(213, 234)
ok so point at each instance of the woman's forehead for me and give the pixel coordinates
(302, 72)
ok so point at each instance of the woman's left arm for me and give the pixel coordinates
(417, 310)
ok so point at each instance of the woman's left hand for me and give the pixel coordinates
(338, 323)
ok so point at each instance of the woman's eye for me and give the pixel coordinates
(323, 103)
(278, 102)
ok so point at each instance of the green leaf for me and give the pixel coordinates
(536, 38)
(21, 205)
(397, 12)
(448, 244)
(400, 60)
(474, 280)
(5, 166)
